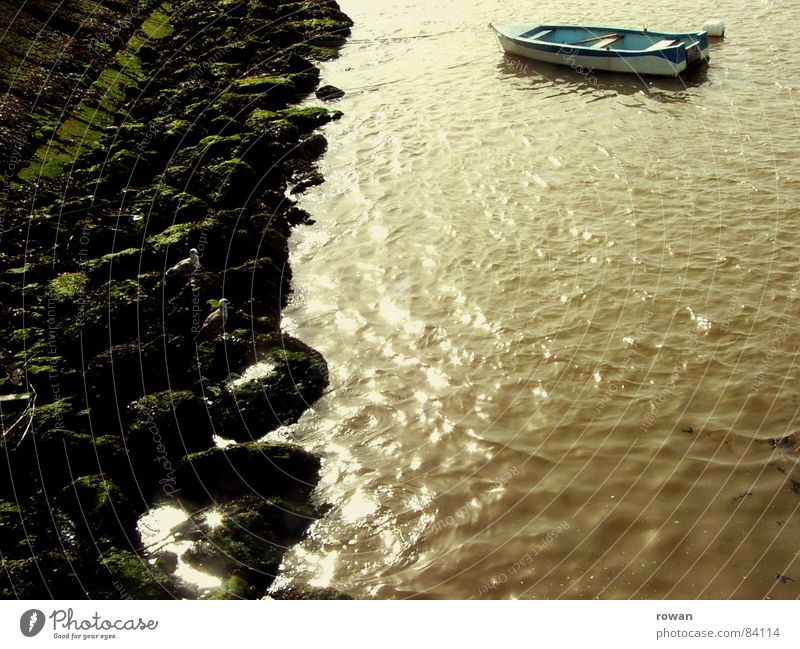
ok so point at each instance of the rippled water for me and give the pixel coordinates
(559, 312)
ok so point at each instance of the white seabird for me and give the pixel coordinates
(186, 267)
(216, 320)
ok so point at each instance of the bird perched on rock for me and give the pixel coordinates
(186, 267)
(215, 322)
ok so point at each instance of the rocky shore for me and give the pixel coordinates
(133, 132)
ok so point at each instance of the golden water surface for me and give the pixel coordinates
(559, 310)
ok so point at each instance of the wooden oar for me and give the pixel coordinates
(594, 38)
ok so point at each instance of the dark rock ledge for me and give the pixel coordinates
(173, 126)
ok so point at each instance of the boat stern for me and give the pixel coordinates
(697, 54)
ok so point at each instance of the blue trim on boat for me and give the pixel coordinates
(674, 53)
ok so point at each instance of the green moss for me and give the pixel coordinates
(48, 575)
(250, 541)
(157, 25)
(307, 117)
(27, 336)
(173, 235)
(318, 52)
(280, 86)
(125, 291)
(68, 453)
(106, 260)
(82, 131)
(225, 70)
(131, 574)
(231, 181)
(97, 498)
(53, 415)
(308, 593)
(11, 529)
(322, 25)
(169, 424)
(264, 468)
(188, 206)
(261, 119)
(178, 128)
(232, 588)
(68, 286)
(218, 145)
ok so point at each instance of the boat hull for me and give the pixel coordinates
(668, 62)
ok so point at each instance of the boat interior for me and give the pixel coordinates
(605, 38)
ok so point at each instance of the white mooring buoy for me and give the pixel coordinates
(714, 28)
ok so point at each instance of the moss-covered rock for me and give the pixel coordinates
(162, 206)
(307, 593)
(214, 146)
(231, 182)
(188, 207)
(173, 236)
(55, 456)
(103, 516)
(127, 372)
(68, 286)
(127, 575)
(261, 283)
(281, 383)
(261, 468)
(168, 425)
(307, 118)
(48, 575)
(261, 119)
(60, 414)
(305, 82)
(121, 262)
(12, 528)
(329, 93)
(329, 32)
(312, 147)
(123, 168)
(249, 543)
(117, 312)
(276, 88)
